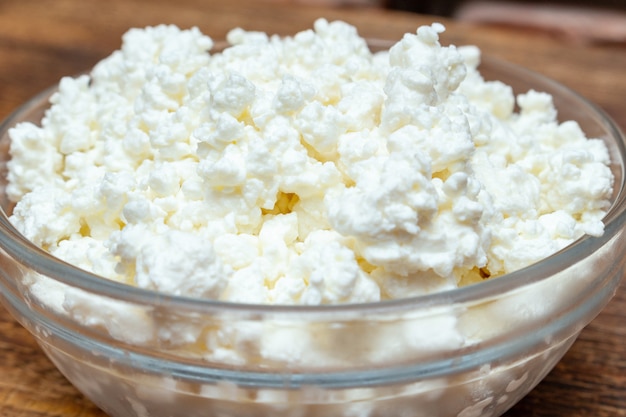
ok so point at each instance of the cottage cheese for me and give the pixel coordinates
(301, 170)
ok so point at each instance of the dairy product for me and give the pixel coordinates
(301, 170)
(304, 170)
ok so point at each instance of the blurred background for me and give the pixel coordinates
(578, 21)
(450, 7)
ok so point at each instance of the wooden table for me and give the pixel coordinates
(42, 41)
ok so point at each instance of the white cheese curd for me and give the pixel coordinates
(301, 170)
(304, 170)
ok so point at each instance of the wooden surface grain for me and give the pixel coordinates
(40, 41)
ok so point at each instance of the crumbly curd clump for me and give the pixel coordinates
(301, 170)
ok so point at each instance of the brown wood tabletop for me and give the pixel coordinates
(40, 41)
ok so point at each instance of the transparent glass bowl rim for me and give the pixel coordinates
(42, 262)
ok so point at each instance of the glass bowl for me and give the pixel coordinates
(469, 352)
